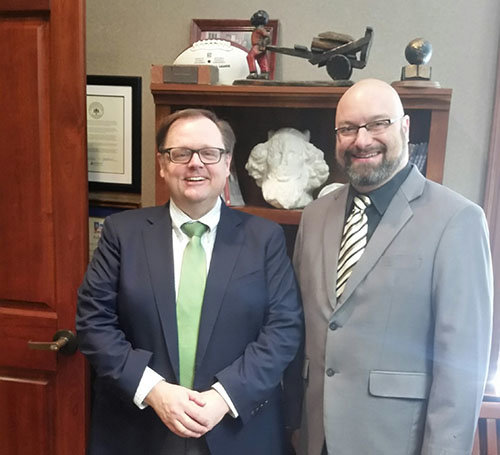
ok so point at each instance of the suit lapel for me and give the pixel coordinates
(228, 242)
(158, 245)
(334, 223)
(396, 216)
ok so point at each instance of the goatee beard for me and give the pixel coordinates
(366, 175)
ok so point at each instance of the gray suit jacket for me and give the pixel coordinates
(396, 366)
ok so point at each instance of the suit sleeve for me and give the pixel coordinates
(462, 299)
(252, 377)
(100, 337)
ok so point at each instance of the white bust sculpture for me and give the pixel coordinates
(288, 168)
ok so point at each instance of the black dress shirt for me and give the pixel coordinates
(381, 198)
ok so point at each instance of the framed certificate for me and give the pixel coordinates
(114, 133)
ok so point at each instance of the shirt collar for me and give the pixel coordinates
(211, 219)
(382, 197)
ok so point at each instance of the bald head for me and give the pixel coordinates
(373, 134)
(370, 98)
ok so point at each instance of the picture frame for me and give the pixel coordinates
(97, 215)
(235, 30)
(114, 133)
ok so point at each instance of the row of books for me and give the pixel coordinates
(418, 155)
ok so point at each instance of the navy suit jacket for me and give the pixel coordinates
(250, 329)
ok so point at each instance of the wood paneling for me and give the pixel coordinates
(25, 6)
(27, 147)
(27, 429)
(43, 224)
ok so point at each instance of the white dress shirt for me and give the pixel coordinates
(179, 242)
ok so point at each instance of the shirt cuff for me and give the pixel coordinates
(149, 379)
(222, 392)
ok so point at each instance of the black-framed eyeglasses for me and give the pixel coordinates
(375, 127)
(183, 155)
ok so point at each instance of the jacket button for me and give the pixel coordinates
(333, 326)
(330, 372)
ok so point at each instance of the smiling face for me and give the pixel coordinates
(369, 159)
(194, 186)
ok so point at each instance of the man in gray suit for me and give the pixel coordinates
(398, 322)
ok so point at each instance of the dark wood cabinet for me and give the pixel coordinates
(254, 110)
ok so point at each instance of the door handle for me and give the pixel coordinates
(64, 341)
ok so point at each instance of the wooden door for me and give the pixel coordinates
(43, 227)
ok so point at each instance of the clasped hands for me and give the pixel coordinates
(188, 413)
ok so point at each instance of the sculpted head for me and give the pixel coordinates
(288, 168)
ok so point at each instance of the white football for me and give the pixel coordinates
(230, 58)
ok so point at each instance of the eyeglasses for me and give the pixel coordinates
(183, 155)
(375, 127)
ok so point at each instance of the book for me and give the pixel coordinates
(418, 155)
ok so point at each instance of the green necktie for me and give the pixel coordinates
(190, 300)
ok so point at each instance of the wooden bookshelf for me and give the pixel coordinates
(254, 110)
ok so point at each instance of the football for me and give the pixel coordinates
(229, 57)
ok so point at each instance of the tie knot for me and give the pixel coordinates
(361, 202)
(195, 229)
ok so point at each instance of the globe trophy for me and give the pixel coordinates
(418, 53)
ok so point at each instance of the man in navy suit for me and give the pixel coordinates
(250, 325)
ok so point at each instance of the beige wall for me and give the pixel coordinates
(124, 37)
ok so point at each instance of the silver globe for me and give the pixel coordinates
(418, 51)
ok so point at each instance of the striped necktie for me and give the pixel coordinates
(190, 300)
(353, 242)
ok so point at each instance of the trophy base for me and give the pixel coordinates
(338, 83)
(416, 83)
(416, 72)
